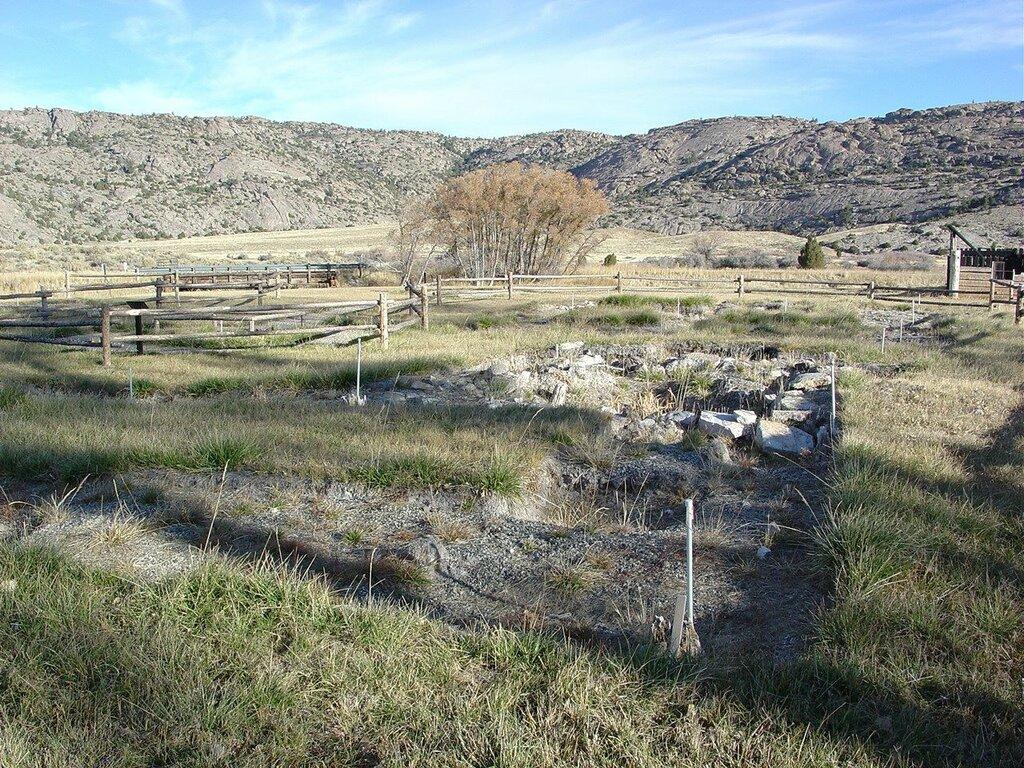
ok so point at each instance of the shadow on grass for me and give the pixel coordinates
(82, 373)
(382, 574)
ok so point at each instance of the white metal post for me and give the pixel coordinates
(832, 420)
(689, 567)
(359, 371)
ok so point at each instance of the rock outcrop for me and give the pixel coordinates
(76, 176)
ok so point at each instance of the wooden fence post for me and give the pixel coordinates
(953, 270)
(177, 289)
(159, 292)
(871, 290)
(424, 304)
(992, 287)
(437, 289)
(67, 284)
(105, 334)
(618, 282)
(1020, 307)
(139, 347)
(44, 300)
(742, 285)
(382, 301)
(509, 279)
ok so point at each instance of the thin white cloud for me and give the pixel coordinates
(536, 65)
(966, 28)
(175, 7)
(144, 96)
(402, 21)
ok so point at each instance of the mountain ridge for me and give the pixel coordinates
(68, 176)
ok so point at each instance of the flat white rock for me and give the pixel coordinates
(722, 424)
(776, 437)
(746, 418)
(812, 380)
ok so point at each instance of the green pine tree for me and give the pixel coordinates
(811, 255)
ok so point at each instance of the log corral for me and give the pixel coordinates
(224, 314)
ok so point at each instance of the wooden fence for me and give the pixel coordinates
(1015, 295)
(166, 318)
(199, 277)
(985, 294)
(741, 285)
(133, 323)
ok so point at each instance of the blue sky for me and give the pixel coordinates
(491, 68)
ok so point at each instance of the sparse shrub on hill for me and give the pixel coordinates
(897, 262)
(743, 259)
(811, 255)
(610, 260)
(705, 245)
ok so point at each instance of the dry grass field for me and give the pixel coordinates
(913, 661)
(628, 245)
(283, 246)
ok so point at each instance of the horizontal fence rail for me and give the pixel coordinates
(245, 310)
(994, 290)
(133, 322)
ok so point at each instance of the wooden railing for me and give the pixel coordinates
(1015, 297)
(511, 285)
(103, 326)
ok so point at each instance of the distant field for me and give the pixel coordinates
(249, 246)
(749, 250)
(636, 244)
(628, 245)
(256, 244)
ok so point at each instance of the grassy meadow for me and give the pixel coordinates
(915, 661)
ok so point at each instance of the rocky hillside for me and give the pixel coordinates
(72, 177)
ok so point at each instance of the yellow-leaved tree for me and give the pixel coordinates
(510, 218)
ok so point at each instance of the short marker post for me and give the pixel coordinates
(683, 615)
(832, 419)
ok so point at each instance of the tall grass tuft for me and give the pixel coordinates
(217, 451)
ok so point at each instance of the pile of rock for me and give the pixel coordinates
(546, 379)
(798, 417)
(792, 421)
(781, 408)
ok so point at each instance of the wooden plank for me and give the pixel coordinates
(333, 337)
(45, 340)
(384, 311)
(239, 334)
